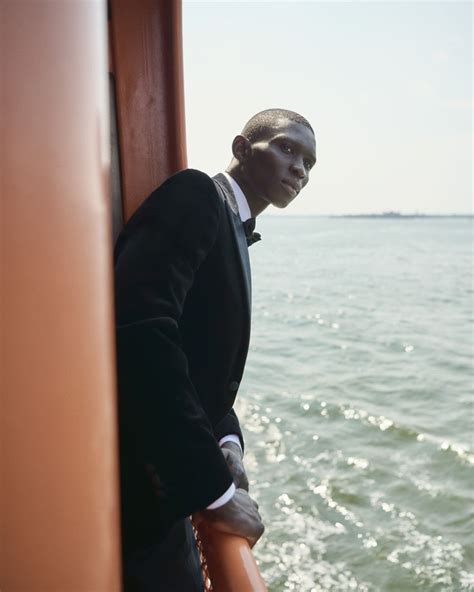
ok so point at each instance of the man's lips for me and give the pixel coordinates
(292, 186)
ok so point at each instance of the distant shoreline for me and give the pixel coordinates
(397, 216)
(367, 216)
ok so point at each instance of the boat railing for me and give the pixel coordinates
(227, 562)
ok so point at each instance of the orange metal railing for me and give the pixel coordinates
(228, 562)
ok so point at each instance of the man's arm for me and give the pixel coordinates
(160, 412)
(235, 512)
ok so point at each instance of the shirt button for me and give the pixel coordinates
(234, 386)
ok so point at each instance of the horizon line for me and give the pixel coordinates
(373, 215)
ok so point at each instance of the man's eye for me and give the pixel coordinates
(287, 149)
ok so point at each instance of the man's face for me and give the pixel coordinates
(279, 164)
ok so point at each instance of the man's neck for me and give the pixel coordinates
(256, 204)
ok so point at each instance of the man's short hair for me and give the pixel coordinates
(258, 126)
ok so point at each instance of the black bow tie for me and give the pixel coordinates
(249, 227)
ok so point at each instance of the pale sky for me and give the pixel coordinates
(387, 87)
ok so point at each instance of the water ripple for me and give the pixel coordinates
(357, 405)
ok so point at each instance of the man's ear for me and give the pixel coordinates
(241, 148)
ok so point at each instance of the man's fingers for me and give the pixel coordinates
(244, 482)
(253, 540)
(236, 467)
(255, 504)
(238, 516)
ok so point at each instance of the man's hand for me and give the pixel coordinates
(238, 516)
(233, 455)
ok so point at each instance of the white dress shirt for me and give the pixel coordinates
(245, 214)
(242, 203)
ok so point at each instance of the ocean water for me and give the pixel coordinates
(357, 403)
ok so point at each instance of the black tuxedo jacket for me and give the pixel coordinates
(183, 294)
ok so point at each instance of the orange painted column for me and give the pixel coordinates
(147, 64)
(58, 490)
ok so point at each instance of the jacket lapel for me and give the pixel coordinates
(239, 238)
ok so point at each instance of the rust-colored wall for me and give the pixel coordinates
(58, 488)
(148, 69)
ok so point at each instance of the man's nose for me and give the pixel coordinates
(297, 168)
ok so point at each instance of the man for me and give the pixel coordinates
(183, 326)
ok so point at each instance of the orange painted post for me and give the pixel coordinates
(59, 525)
(148, 70)
(232, 566)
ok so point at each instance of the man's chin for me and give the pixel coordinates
(279, 200)
(283, 202)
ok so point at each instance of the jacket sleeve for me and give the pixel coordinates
(161, 418)
(229, 425)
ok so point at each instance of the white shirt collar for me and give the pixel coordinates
(242, 203)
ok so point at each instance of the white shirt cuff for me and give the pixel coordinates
(231, 438)
(223, 499)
